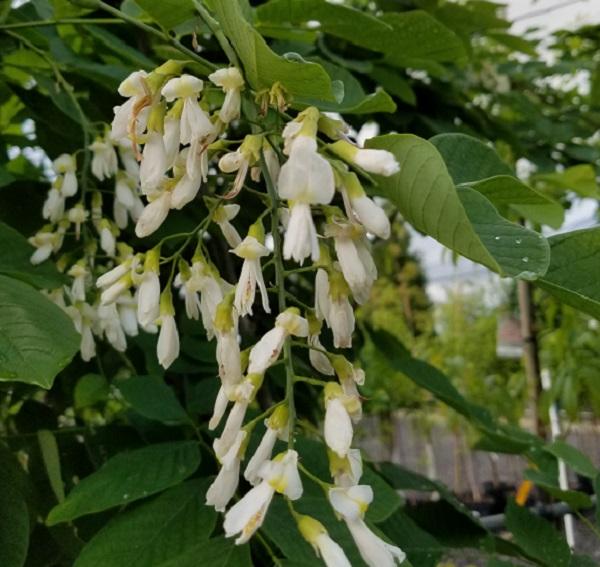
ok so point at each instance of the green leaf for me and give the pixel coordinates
(152, 398)
(574, 270)
(15, 254)
(90, 390)
(406, 39)
(537, 537)
(573, 457)
(216, 552)
(14, 528)
(51, 458)
(580, 178)
(573, 498)
(421, 548)
(127, 477)
(464, 221)
(37, 338)
(262, 66)
(396, 84)
(469, 159)
(507, 192)
(520, 252)
(355, 100)
(156, 532)
(434, 381)
(169, 13)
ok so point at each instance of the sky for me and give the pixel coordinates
(443, 274)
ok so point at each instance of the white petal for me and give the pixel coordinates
(374, 551)
(300, 240)
(262, 454)
(266, 351)
(148, 298)
(351, 503)
(248, 514)
(113, 276)
(153, 216)
(219, 409)
(338, 427)
(341, 322)
(185, 191)
(167, 348)
(381, 162)
(331, 552)
(371, 216)
(154, 162)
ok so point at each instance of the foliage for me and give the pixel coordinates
(106, 457)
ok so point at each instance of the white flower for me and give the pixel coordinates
(195, 123)
(154, 162)
(148, 294)
(167, 348)
(370, 215)
(135, 89)
(83, 316)
(223, 488)
(128, 157)
(44, 242)
(346, 471)
(232, 82)
(221, 403)
(351, 504)
(171, 138)
(104, 159)
(240, 161)
(228, 350)
(251, 250)
(79, 273)
(242, 394)
(322, 300)
(126, 306)
(277, 426)
(54, 206)
(354, 257)
(305, 179)
(78, 215)
(109, 323)
(318, 360)
(211, 294)
(185, 191)
(247, 515)
(196, 158)
(266, 351)
(66, 166)
(332, 304)
(315, 533)
(222, 216)
(189, 292)
(380, 162)
(338, 425)
(153, 215)
(108, 242)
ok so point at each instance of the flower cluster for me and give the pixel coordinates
(165, 144)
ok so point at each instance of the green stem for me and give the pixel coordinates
(280, 282)
(324, 485)
(313, 381)
(301, 270)
(61, 22)
(158, 33)
(215, 28)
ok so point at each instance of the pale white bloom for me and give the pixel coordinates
(83, 316)
(222, 216)
(196, 157)
(338, 429)
(322, 300)
(128, 157)
(124, 190)
(380, 162)
(104, 159)
(154, 162)
(44, 242)
(371, 216)
(241, 394)
(319, 360)
(276, 427)
(167, 348)
(247, 515)
(171, 138)
(221, 403)
(135, 89)
(53, 208)
(232, 82)
(332, 304)
(189, 292)
(346, 471)
(305, 179)
(108, 242)
(153, 215)
(148, 294)
(80, 274)
(114, 291)
(266, 351)
(126, 306)
(114, 275)
(354, 257)
(109, 323)
(239, 162)
(185, 191)
(223, 488)
(350, 504)
(66, 166)
(195, 123)
(251, 250)
(78, 215)
(228, 350)
(315, 533)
